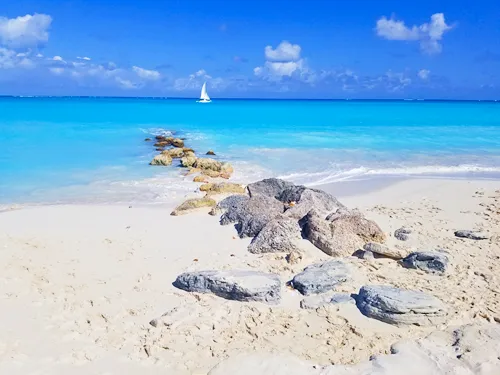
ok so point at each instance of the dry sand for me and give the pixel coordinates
(79, 284)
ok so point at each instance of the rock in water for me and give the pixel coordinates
(384, 250)
(269, 187)
(161, 159)
(400, 306)
(234, 285)
(210, 152)
(428, 261)
(472, 235)
(188, 161)
(174, 153)
(203, 179)
(192, 204)
(320, 278)
(147, 140)
(234, 202)
(279, 235)
(177, 142)
(252, 215)
(402, 234)
(208, 164)
(223, 188)
(345, 232)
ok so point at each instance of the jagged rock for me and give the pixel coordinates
(269, 187)
(188, 161)
(210, 173)
(472, 235)
(233, 202)
(174, 153)
(208, 164)
(223, 188)
(203, 179)
(161, 159)
(192, 204)
(428, 261)
(236, 285)
(188, 150)
(402, 234)
(252, 215)
(177, 142)
(343, 234)
(164, 138)
(320, 278)
(279, 235)
(384, 250)
(210, 152)
(306, 199)
(400, 306)
(147, 140)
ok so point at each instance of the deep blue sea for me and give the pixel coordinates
(60, 150)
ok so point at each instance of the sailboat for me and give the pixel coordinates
(204, 98)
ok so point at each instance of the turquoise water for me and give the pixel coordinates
(93, 149)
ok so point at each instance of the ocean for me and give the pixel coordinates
(92, 150)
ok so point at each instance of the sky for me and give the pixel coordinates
(251, 49)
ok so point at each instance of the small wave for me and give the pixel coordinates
(319, 178)
(158, 131)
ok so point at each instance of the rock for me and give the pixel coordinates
(210, 173)
(428, 261)
(210, 152)
(384, 250)
(177, 142)
(306, 199)
(234, 202)
(320, 278)
(159, 149)
(472, 235)
(343, 234)
(270, 187)
(203, 179)
(147, 140)
(188, 150)
(252, 215)
(234, 285)
(367, 255)
(164, 138)
(294, 257)
(161, 159)
(314, 302)
(162, 144)
(402, 234)
(208, 164)
(223, 188)
(278, 235)
(400, 306)
(188, 161)
(174, 153)
(340, 298)
(192, 204)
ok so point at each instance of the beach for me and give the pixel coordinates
(81, 283)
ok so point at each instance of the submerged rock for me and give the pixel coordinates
(281, 234)
(343, 234)
(147, 140)
(192, 204)
(321, 278)
(400, 306)
(428, 261)
(402, 234)
(235, 285)
(161, 159)
(252, 215)
(472, 235)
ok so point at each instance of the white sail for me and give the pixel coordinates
(204, 95)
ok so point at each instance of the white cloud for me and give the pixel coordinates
(25, 31)
(193, 81)
(424, 74)
(284, 52)
(428, 34)
(57, 58)
(152, 75)
(57, 71)
(84, 58)
(126, 84)
(9, 59)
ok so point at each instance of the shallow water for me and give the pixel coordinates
(93, 150)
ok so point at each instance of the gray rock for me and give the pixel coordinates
(343, 234)
(252, 214)
(472, 235)
(400, 306)
(367, 255)
(339, 298)
(384, 250)
(402, 234)
(278, 235)
(270, 187)
(306, 199)
(314, 302)
(233, 202)
(320, 278)
(234, 285)
(428, 261)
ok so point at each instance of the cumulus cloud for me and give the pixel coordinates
(152, 75)
(9, 59)
(84, 58)
(424, 74)
(25, 31)
(57, 58)
(126, 84)
(429, 35)
(284, 52)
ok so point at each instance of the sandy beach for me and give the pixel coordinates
(80, 284)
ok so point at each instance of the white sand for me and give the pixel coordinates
(79, 284)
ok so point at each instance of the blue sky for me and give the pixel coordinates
(281, 49)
